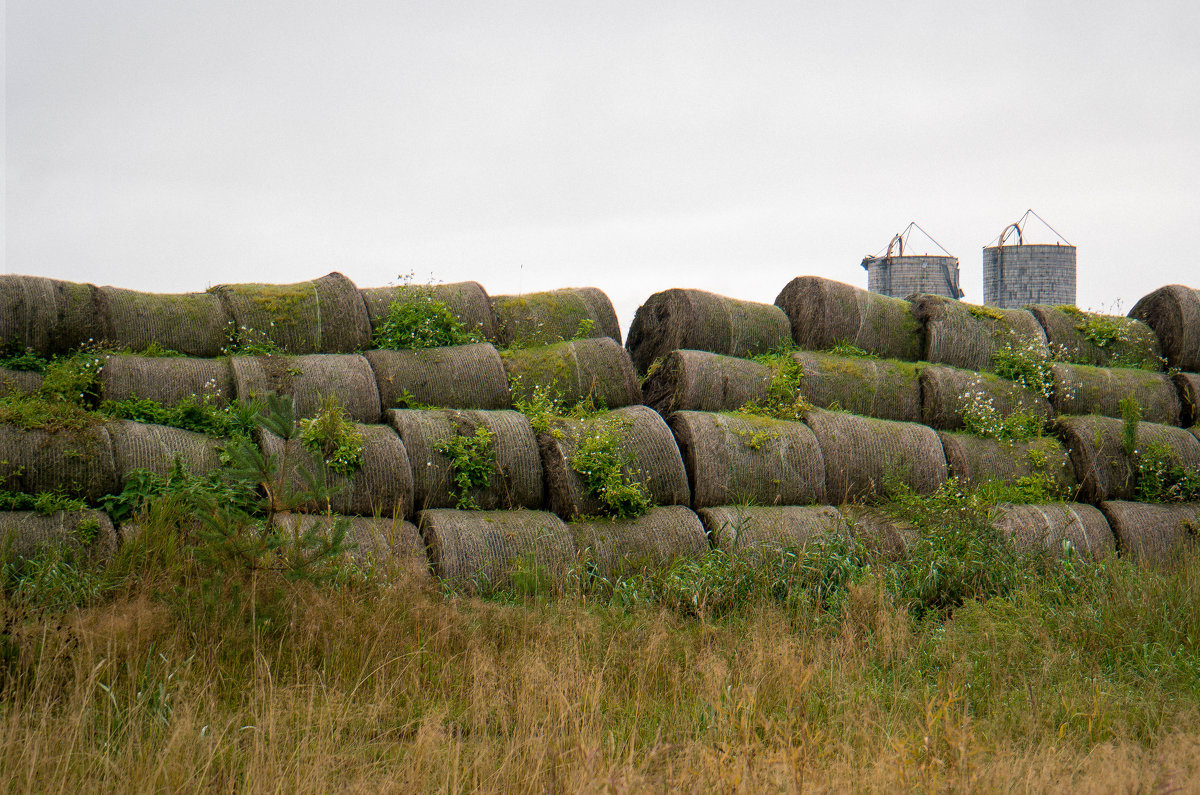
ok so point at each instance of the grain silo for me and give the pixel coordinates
(900, 275)
(1015, 276)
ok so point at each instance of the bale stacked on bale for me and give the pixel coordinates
(1080, 389)
(479, 551)
(703, 381)
(467, 302)
(766, 531)
(744, 458)
(967, 336)
(883, 536)
(76, 461)
(138, 445)
(191, 323)
(1174, 314)
(1067, 333)
(19, 382)
(86, 533)
(1188, 386)
(48, 315)
(596, 370)
(308, 380)
(947, 393)
(696, 320)
(555, 316)
(460, 377)
(641, 435)
(888, 390)
(166, 379)
(615, 547)
(515, 480)
(824, 313)
(372, 540)
(1105, 470)
(974, 461)
(1155, 535)
(863, 456)
(1050, 527)
(326, 315)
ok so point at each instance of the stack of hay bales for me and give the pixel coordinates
(461, 376)
(1136, 344)
(468, 303)
(596, 370)
(880, 388)
(554, 316)
(1174, 314)
(308, 380)
(1081, 389)
(326, 315)
(824, 313)
(966, 336)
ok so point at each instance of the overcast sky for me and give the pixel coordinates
(169, 145)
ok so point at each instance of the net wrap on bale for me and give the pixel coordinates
(1174, 314)
(88, 534)
(480, 551)
(1081, 389)
(194, 324)
(554, 316)
(968, 336)
(138, 445)
(974, 461)
(326, 315)
(78, 462)
(948, 393)
(615, 547)
(703, 381)
(596, 370)
(1052, 527)
(468, 303)
(459, 377)
(824, 313)
(1072, 337)
(1153, 535)
(766, 531)
(49, 316)
(1105, 470)
(308, 380)
(166, 379)
(881, 388)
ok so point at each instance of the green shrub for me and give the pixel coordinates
(418, 320)
(332, 436)
(472, 463)
(1026, 363)
(605, 470)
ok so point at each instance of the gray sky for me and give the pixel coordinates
(169, 145)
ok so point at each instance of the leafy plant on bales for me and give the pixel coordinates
(417, 320)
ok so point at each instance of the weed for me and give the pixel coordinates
(417, 320)
(332, 436)
(850, 350)
(472, 463)
(610, 473)
(1027, 363)
(45, 502)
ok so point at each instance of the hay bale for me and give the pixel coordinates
(1103, 468)
(1174, 314)
(883, 536)
(693, 319)
(382, 487)
(735, 458)
(1188, 387)
(766, 531)
(309, 379)
(166, 379)
(373, 539)
(78, 462)
(326, 315)
(617, 547)
(459, 377)
(703, 381)
(824, 313)
(1046, 527)
(88, 533)
(974, 461)
(947, 392)
(516, 479)
(48, 315)
(1136, 346)
(468, 302)
(888, 390)
(480, 551)
(598, 370)
(968, 336)
(554, 316)
(1081, 389)
(863, 456)
(19, 382)
(191, 323)
(1153, 535)
(641, 434)
(139, 445)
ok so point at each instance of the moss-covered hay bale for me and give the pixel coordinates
(1082, 337)
(974, 461)
(1081, 389)
(373, 541)
(308, 380)
(1104, 469)
(482, 551)
(48, 315)
(596, 370)
(1050, 527)
(77, 462)
(824, 313)
(697, 320)
(326, 315)
(19, 382)
(881, 388)
(968, 336)
(139, 445)
(554, 316)
(703, 381)
(468, 302)
(1174, 314)
(166, 379)
(766, 531)
(742, 458)
(457, 377)
(616, 547)
(881, 535)
(640, 435)
(514, 467)
(947, 393)
(1154, 535)
(191, 323)
(88, 534)
(1188, 387)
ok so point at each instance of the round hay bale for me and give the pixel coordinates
(884, 537)
(19, 382)
(554, 316)
(766, 531)
(1153, 535)
(1188, 387)
(974, 461)
(138, 445)
(1174, 314)
(1065, 326)
(48, 315)
(1102, 467)
(596, 370)
(1048, 527)
(309, 379)
(693, 319)
(88, 533)
(888, 390)
(968, 336)
(703, 381)
(617, 547)
(516, 477)
(373, 539)
(77, 462)
(824, 313)
(191, 323)
(326, 315)
(735, 458)
(481, 551)
(382, 487)
(459, 377)
(166, 379)
(1081, 389)
(641, 434)
(947, 392)
(468, 302)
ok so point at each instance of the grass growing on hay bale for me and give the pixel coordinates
(1079, 337)
(326, 315)
(49, 316)
(194, 324)
(1042, 461)
(1081, 389)
(952, 398)
(19, 382)
(596, 371)
(757, 531)
(308, 380)
(554, 316)
(880, 388)
(76, 533)
(824, 313)
(1174, 314)
(1052, 527)
(702, 381)
(138, 445)
(1154, 535)
(612, 548)
(459, 377)
(468, 303)
(166, 379)
(75, 461)
(1111, 463)
(968, 336)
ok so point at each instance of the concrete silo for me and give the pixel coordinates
(900, 275)
(1015, 276)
